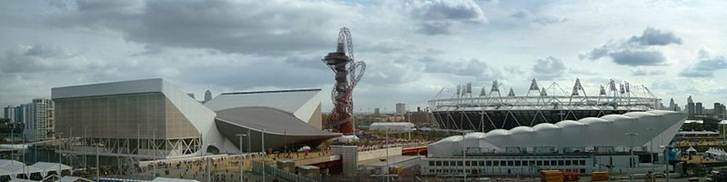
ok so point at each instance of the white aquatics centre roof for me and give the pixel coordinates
(650, 129)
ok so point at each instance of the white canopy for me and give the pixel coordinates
(47, 166)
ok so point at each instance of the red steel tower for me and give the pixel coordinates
(347, 74)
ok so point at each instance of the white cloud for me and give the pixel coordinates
(549, 68)
(413, 48)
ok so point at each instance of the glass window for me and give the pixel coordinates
(517, 163)
(509, 163)
(459, 163)
(553, 163)
(539, 163)
(582, 162)
(467, 163)
(431, 163)
(482, 163)
(567, 162)
(446, 163)
(439, 163)
(488, 163)
(495, 163)
(560, 162)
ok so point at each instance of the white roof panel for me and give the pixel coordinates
(109, 88)
(286, 100)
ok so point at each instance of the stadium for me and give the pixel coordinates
(463, 110)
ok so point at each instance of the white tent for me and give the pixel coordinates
(11, 167)
(46, 167)
(392, 126)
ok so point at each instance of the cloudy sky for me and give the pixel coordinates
(413, 48)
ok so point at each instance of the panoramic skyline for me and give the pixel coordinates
(412, 48)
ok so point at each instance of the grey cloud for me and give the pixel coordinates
(255, 27)
(312, 62)
(705, 67)
(645, 72)
(42, 58)
(548, 68)
(538, 19)
(438, 16)
(636, 51)
(247, 76)
(655, 37)
(435, 28)
(472, 68)
(638, 58)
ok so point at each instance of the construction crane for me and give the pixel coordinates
(347, 72)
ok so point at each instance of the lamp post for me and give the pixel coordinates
(464, 157)
(631, 153)
(666, 162)
(60, 157)
(386, 147)
(651, 147)
(241, 172)
(262, 146)
(98, 167)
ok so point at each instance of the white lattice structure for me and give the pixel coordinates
(494, 110)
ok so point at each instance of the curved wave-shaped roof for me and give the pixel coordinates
(569, 123)
(563, 134)
(590, 120)
(271, 120)
(497, 132)
(521, 129)
(639, 114)
(614, 117)
(545, 126)
(474, 135)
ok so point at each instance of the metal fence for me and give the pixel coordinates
(280, 174)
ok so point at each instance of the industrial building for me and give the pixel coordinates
(152, 119)
(582, 146)
(483, 111)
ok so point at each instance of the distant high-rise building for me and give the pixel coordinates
(400, 108)
(672, 104)
(39, 119)
(207, 96)
(690, 108)
(377, 111)
(719, 110)
(699, 108)
(9, 113)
